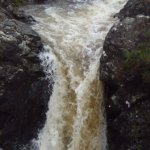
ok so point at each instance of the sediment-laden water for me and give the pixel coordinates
(74, 34)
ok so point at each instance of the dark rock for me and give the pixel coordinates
(135, 7)
(9, 9)
(130, 130)
(4, 14)
(24, 90)
(21, 16)
(124, 36)
(126, 94)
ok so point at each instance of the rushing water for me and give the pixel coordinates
(74, 34)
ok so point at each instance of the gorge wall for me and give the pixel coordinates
(125, 71)
(24, 90)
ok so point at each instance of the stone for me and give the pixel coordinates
(134, 8)
(126, 95)
(24, 89)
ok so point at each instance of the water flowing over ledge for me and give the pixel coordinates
(74, 35)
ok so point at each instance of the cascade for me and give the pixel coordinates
(74, 34)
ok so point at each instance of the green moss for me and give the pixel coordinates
(18, 2)
(137, 62)
(15, 3)
(147, 34)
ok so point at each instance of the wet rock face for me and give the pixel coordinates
(124, 36)
(135, 7)
(10, 10)
(130, 130)
(124, 62)
(24, 91)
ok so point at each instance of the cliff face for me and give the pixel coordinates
(24, 90)
(125, 71)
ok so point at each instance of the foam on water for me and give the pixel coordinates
(74, 33)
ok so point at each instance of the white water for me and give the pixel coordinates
(74, 34)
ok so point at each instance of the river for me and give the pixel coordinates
(73, 33)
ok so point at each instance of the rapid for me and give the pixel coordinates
(73, 33)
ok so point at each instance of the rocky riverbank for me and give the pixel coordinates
(125, 71)
(24, 90)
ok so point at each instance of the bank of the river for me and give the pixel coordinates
(125, 71)
(24, 90)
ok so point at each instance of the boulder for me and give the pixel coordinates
(135, 7)
(24, 90)
(125, 72)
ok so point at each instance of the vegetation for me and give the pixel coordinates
(17, 2)
(137, 62)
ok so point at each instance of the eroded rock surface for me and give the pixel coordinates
(125, 71)
(24, 90)
(135, 7)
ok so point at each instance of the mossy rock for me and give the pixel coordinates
(17, 2)
(135, 64)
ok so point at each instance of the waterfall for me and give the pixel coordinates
(74, 34)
